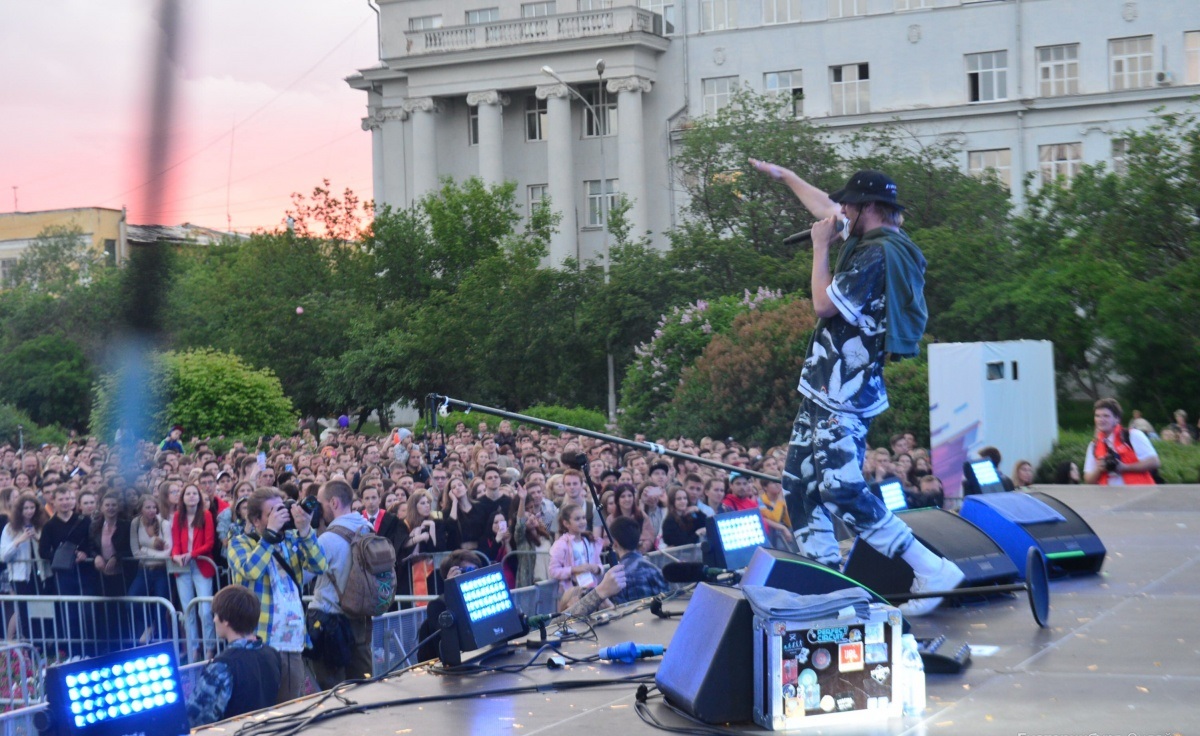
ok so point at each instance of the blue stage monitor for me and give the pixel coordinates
(733, 537)
(134, 691)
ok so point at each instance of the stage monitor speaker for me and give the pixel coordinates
(1071, 547)
(708, 669)
(776, 568)
(948, 535)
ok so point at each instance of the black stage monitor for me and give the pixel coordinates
(733, 537)
(481, 611)
(985, 476)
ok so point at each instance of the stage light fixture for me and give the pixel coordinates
(891, 492)
(480, 614)
(733, 537)
(984, 475)
(137, 690)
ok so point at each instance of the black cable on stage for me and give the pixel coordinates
(294, 728)
(642, 707)
(285, 721)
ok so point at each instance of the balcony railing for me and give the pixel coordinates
(610, 21)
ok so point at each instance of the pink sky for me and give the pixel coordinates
(75, 79)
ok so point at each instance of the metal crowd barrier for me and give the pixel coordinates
(19, 722)
(65, 626)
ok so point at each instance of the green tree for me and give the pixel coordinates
(744, 384)
(208, 392)
(48, 377)
(58, 258)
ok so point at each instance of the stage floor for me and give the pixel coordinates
(1119, 658)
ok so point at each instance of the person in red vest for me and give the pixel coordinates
(1118, 456)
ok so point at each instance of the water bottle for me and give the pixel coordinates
(913, 682)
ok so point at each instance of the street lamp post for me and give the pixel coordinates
(602, 130)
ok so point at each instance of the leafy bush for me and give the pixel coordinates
(681, 336)
(1180, 464)
(11, 417)
(907, 384)
(744, 384)
(207, 391)
(577, 417)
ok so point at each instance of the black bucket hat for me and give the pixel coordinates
(868, 186)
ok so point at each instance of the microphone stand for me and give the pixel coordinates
(610, 557)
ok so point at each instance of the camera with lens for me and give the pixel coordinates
(1111, 462)
(310, 505)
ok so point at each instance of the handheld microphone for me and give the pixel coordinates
(692, 572)
(539, 620)
(627, 652)
(839, 225)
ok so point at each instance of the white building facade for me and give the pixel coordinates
(1022, 86)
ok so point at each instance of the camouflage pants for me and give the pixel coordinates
(823, 477)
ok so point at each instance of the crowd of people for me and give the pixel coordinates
(188, 521)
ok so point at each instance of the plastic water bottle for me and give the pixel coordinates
(914, 676)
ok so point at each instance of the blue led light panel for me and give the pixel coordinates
(893, 495)
(120, 690)
(985, 472)
(741, 531)
(486, 596)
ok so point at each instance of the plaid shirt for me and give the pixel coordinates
(250, 561)
(642, 579)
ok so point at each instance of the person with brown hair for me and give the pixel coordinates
(243, 678)
(1118, 456)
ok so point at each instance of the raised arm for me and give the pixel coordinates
(814, 200)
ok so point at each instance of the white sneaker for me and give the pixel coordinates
(948, 577)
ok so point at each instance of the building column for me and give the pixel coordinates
(631, 148)
(561, 175)
(425, 176)
(491, 134)
(386, 125)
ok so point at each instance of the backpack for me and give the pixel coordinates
(371, 582)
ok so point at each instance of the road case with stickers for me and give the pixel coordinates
(832, 671)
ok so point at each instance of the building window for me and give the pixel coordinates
(1060, 160)
(665, 8)
(473, 125)
(717, 15)
(537, 10)
(1058, 70)
(6, 270)
(718, 91)
(1132, 62)
(535, 118)
(595, 200)
(789, 84)
(913, 4)
(1120, 150)
(851, 89)
(425, 23)
(781, 11)
(845, 8)
(997, 162)
(586, 6)
(987, 76)
(484, 15)
(605, 105)
(535, 194)
(1191, 57)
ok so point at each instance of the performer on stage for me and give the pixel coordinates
(870, 306)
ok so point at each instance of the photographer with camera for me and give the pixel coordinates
(1118, 456)
(271, 562)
